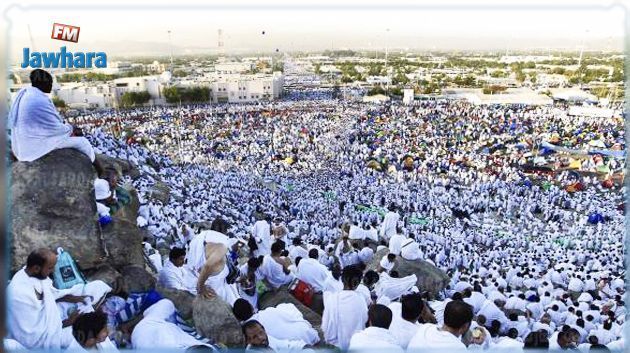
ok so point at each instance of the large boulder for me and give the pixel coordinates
(183, 301)
(430, 278)
(52, 204)
(124, 243)
(121, 166)
(137, 279)
(214, 319)
(160, 192)
(109, 275)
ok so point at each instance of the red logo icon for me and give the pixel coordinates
(65, 32)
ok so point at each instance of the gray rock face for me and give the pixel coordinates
(137, 279)
(430, 278)
(108, 275)
(160, 192)
(213, 318)
(124, 243)
(183, 301)
(122, 167)
(52, 204)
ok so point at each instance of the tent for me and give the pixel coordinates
(575, 164)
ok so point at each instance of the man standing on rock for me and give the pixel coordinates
(36, 127)
(34, 319)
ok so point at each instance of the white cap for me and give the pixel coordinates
(101, 189)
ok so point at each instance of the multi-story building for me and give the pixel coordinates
(245, 88)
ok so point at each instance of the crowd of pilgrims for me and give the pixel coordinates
(315, 189)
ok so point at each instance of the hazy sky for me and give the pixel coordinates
(142, 31)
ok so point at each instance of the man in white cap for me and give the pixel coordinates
(103, 195)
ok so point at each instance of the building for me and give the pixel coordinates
(152, 84)
(378, 98)
(91, 96)
(231, 68)
(156, 67)
(408, 96)
(378, 80)
(510, 96)
(246, 88)
(552, 80)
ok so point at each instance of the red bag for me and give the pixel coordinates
(302, 291)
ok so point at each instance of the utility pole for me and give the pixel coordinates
(386, 57)
(170, 45)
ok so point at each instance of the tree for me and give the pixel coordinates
(181, 94)
(400, 79)
(493, 89)
(171, 94)
(376, 90)
(131, 99)
(520, 76)
(58, 102)
(180, 73)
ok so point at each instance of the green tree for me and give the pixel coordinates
(171, 94)
(58, 102)
(498, 74)
(400, 79)
(493, 89)
(131, 99)
(376, 90)
(180, 73)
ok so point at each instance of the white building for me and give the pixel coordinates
(378, 80)
(81, 95)
(552, 80)
(233, 68)
(246, 88)
(407, 96)
(151, 84)
(156, 67)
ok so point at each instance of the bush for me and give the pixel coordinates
(131, 99)
(182, 94)
(58, 102)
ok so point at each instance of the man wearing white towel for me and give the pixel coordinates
(457, 318)
(377, 336)
(34, 319)
(345, 312)
(36, 127)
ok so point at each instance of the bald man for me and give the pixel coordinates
(34, 319)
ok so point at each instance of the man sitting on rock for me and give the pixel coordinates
(174, 275)
(36, 127)
(258, 340)
(275, 267)
(35, 319)
(284, 321)
(120, 196)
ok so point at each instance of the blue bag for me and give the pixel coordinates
(66, 274)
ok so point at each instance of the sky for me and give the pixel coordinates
(134, 31)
